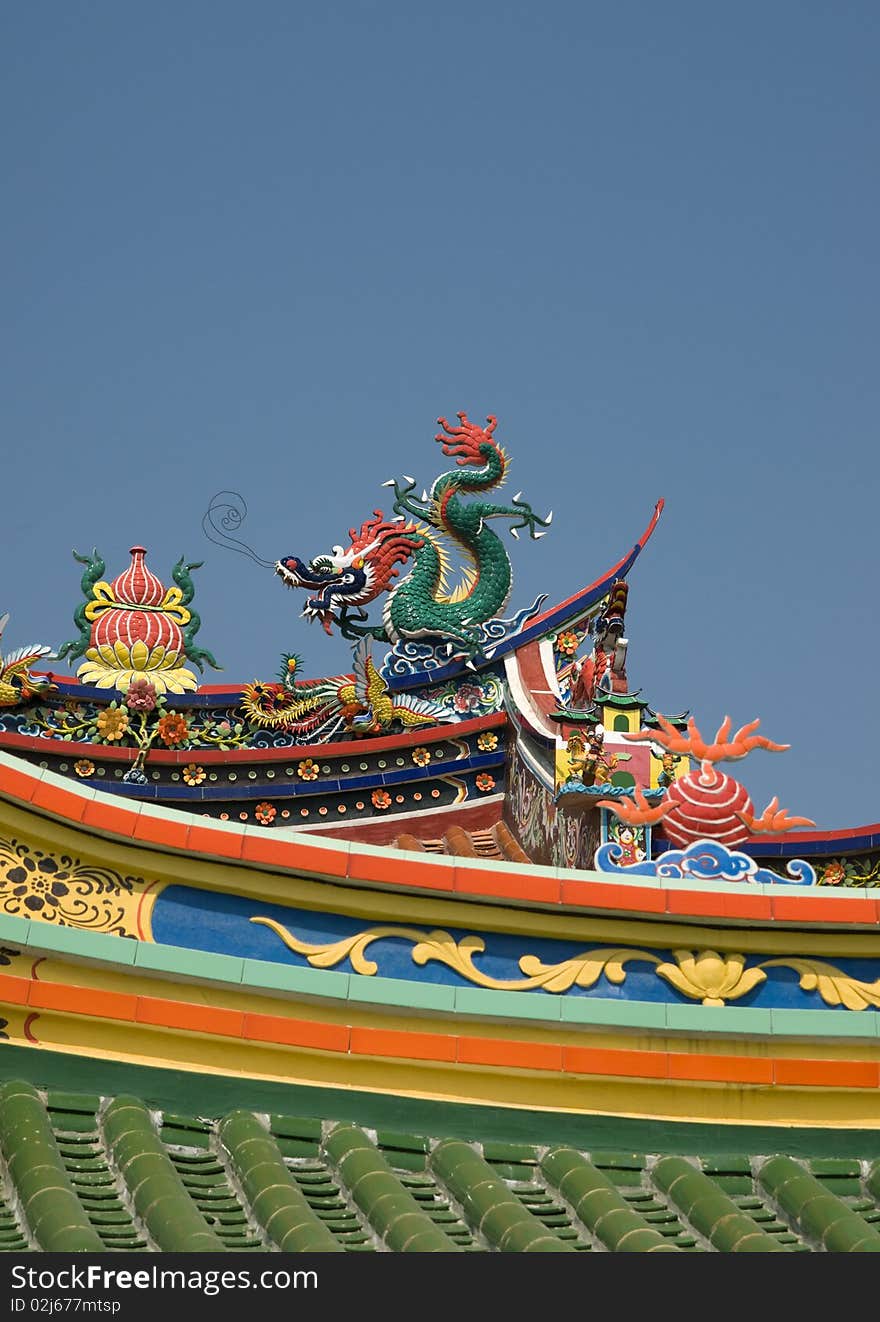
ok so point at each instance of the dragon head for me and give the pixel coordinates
(355, 576)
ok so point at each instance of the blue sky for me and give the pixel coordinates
(263, 246)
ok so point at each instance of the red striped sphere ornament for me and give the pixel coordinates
(706, 807)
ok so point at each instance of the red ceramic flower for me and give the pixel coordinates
(265, 813)
(381, 799)
(485, 782)
(172, 729)
(467, 697)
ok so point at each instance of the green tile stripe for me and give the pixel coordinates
(597, 1203)
(710, 1211)
(263, 976)
(55, 1215)
(277, 1202)
(390, 1208)
(488, 1202)
(156, 1189)
(818, 1213)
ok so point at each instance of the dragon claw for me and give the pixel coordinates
(514, 533)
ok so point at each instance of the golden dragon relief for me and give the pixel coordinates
(703, 975)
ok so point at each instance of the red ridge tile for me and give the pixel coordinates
(720, 1069)
(507, 885)
(743, 904)
(510, 1055)
(702, 904)
(220, 844)
(108, 818)
(612, 1061)
(827, 1073)
(193, 1018)
(13, 990)
(608, 895)
(18, 784)
(824, 909)
(60, 803)
(296, 1032)
(398, 869)
(91, 1001)
(403, 1045)
(161, 831)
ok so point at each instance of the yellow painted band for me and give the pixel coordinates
(658, 1100)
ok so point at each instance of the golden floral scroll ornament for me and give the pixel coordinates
(709, 977)
(702, 975)
(442, 948)
(835, 987)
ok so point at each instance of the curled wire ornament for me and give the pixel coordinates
(225, 515)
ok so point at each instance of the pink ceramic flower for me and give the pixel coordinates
(141, 696)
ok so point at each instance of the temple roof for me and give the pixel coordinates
(113, 1173)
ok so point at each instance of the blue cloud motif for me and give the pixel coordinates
(706, 860)
(800, 872)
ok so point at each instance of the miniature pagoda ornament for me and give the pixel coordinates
(136, 628)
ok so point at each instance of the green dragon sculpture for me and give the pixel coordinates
(182, 575)
(421, 606)
(94, 572)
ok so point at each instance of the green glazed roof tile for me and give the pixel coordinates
(243, 1180)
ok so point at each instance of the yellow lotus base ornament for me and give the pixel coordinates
(114, 667)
